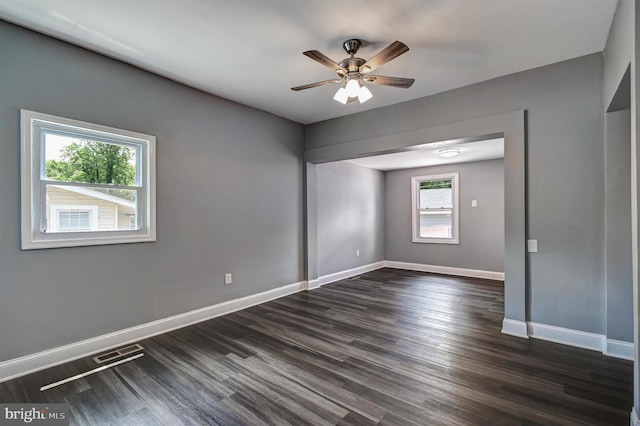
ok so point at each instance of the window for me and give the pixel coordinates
(73, 218)
(435, 208)
(85, 184)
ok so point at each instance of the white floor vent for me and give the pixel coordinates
(118, 353)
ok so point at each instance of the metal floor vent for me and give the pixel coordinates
(118, 353)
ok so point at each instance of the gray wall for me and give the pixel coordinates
(618, 226)
(565, 173)
(212, 156)
(481, 228)
(350, 202)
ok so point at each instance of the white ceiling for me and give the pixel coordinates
(427, 155)
(250, 51)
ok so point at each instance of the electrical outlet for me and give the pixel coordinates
(357, 252)
(227, 279)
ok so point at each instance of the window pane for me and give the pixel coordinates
(74, 220)
(436, 224)
(71, 159)
(436, 197)
(114, 208)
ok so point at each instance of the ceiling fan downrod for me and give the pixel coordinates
(352, 64)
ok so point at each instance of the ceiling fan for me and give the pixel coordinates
(354, 72)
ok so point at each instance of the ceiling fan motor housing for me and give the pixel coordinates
(352, 64)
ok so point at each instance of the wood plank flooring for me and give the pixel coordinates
(390, 347)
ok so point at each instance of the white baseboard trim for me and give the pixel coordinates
(567, 336)
(633, 420)
(570, 337)
(313, 284)
(448, 270)
(515, 328)
(619, 349)
(337, 276)
(22, 366)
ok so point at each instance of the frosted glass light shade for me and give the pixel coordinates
(364, 94)
(352, 88)
(341, 95)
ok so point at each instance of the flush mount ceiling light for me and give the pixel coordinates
(450, 152)
(354, 72)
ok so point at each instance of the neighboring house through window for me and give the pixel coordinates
(85, 184)
(435, 208)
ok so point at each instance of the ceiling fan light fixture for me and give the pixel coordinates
(353, 88)
(353, 72)
(450, 152)
(364, 94)
(341, 95)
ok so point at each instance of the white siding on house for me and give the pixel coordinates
(106, 216)
(107, 210)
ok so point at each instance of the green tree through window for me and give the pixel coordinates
(436, 184)
(94, 162)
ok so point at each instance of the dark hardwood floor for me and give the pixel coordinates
(390, 347)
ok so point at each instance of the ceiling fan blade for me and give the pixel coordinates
(403, 83)
(319, 83)
(390, 52)
(324, 60)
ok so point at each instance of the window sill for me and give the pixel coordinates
(63, 240)
(435, 241)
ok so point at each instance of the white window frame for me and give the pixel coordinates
(33, 182)
(415, 209)
(54, 220)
